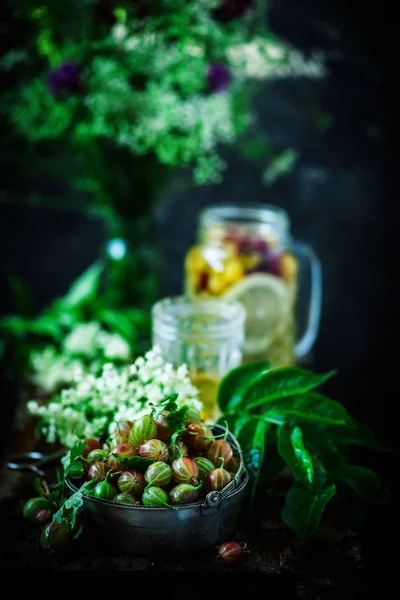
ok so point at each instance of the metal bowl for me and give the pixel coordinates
(147, 530)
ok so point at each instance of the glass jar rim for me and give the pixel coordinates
(269, 216)
(173, 316)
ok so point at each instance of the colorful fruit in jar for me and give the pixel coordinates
(213, 271)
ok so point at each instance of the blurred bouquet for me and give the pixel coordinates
(111, 96)
(141, 86)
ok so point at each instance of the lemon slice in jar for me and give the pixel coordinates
(267, 301)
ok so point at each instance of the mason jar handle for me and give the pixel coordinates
(306, 255)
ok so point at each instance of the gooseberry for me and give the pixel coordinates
(220, 450)
(120, 432)
(97, 454)
(204, 466)
(43, 516)
(143, 429)
(185, 470)
(199, 436)
(154, 496)
(125, 498)
(216, 480)
(54, 535)
(184, 493)
(154, 449)
(117, 453)
(33, 506)
(105, 490)
(177, 449)
(98, 470)
(230, 553)
(132, 481)
(91, 444)
(164, 433)
(158, 474)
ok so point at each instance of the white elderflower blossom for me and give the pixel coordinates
(85, 349)
(82, 339)
(265, 59)
(52, 370)
(119, 393)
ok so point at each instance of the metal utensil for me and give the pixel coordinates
(32, 461)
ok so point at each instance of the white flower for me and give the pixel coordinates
(119, 32)
(82, 339)
(119, 393)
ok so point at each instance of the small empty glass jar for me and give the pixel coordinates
(207, 335)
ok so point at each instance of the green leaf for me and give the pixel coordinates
(280, 383)
(176, 419)
(356, 434)
(252, 439)
(311, 407)
(239, 423)
(303, 509)
(71, 461)
(328, 452)
(295, 454)
(72, 506)
(365, 482)
(119, 323)
(85, 287)
(166, 404)
(135, 462)
(236, 381)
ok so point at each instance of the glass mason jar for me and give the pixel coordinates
(247, 254)
(207, 336)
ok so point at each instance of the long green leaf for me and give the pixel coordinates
(365, 482)
(239, 423)
(85, 287)
(236, 381)
(329, 453)
(295, 454)
(281, 383)
(303, 509)
(311, 407)
(356, 434)
(252, 438)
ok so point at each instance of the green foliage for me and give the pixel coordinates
(143, 82)
(279, 419)
(71, 462)
(48, 344)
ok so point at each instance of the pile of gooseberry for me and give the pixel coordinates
(182, 467)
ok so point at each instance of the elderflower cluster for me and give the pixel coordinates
(263, 58)
(84, 350)
(89, 408)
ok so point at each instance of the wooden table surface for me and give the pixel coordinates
(331, 564)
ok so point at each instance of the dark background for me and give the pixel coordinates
(341, 197)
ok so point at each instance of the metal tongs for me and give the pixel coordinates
(32, 461)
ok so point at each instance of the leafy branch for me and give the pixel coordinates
(280, 420)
